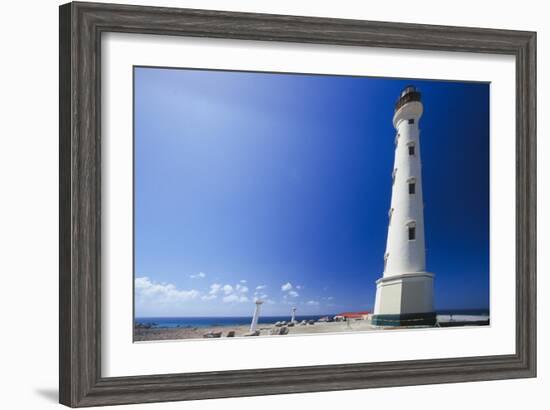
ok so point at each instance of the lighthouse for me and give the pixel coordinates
(404, 293)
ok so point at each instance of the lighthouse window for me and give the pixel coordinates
(412, 233)
(411, 120)
(411, 150)
(412, 188)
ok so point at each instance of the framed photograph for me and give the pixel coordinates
(261, 204)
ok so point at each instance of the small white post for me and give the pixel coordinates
(293, 318)
(256, 316)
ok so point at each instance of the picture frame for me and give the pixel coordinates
(81, 27)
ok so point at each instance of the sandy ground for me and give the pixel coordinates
(142, 335)
(194, 333)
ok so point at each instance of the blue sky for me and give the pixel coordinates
(278, 186)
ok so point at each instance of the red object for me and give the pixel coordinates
(353, 315)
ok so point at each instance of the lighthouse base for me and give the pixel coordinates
(408, 319)
(404, 300)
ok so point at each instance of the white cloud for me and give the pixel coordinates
(243, 280)
(208, 297)
(230, 293)
(261, 287)
(330, 298)
(199, 275)
(162, 292)
(235, 298)
(312, 303)
(241, 288)
(299, 287)
(286, 287)
(293, 293)
(215, 288)
(265, 299)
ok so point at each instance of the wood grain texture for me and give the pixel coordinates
(81, 26)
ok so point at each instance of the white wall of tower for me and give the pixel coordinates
(405, 287)
(404, 255)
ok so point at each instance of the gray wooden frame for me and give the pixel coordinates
(81, 27)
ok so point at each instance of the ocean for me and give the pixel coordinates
(204, 322)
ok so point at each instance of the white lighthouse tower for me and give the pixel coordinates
(404, 294)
